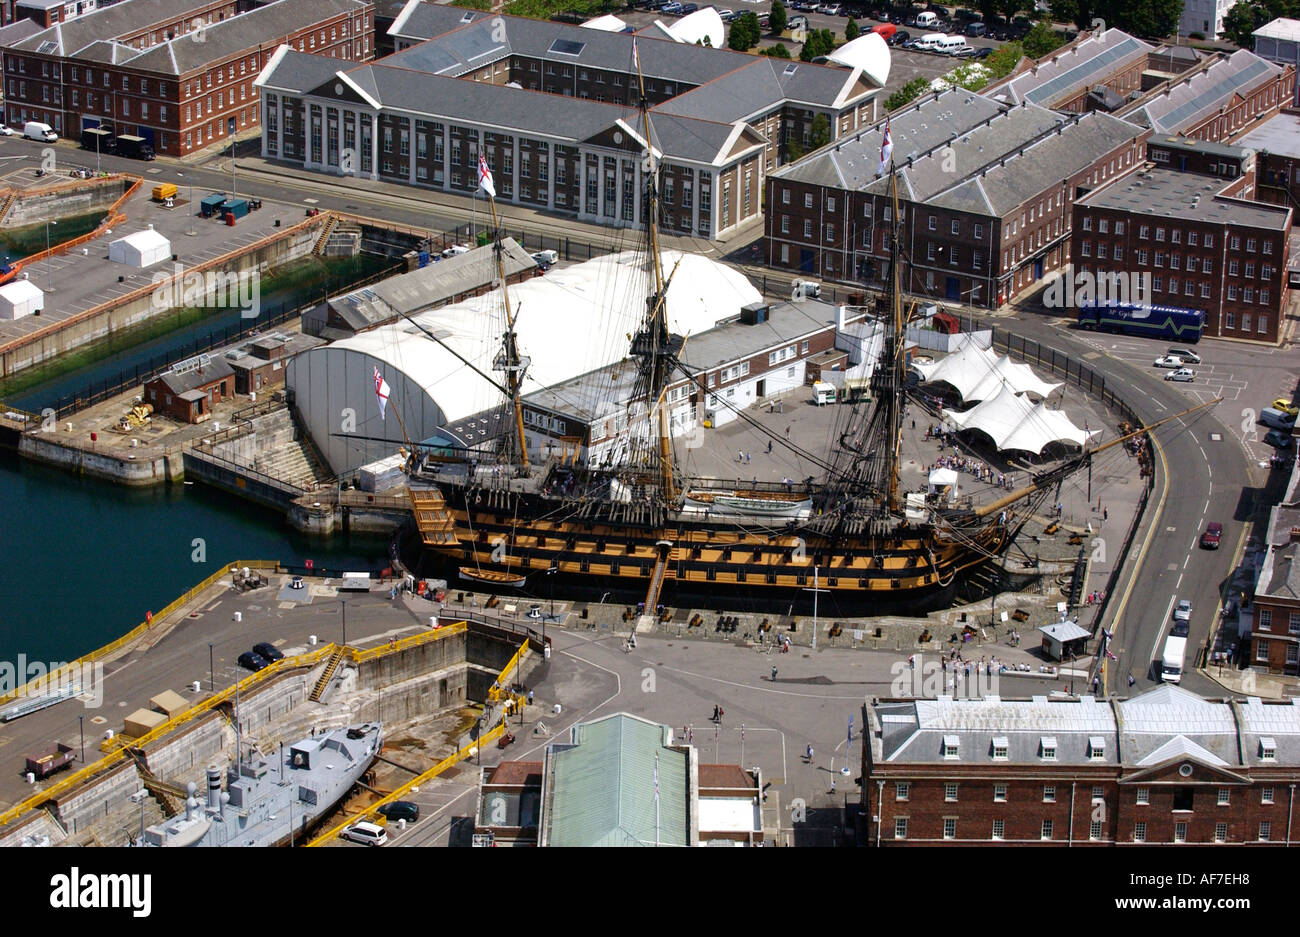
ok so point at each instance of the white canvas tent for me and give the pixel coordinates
(20, 298)
(1007, 373)
(963, 369)
(1015, 422)
(141, 249)
(868, 52)
(941, 478)
(608, 23)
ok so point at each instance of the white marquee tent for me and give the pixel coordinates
(141, 249)
(608, 23)
(1013, 422)
(868, 52)
(962, 369)
(696, 27)
(1019, 377)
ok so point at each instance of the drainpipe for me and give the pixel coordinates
(880, 809)
(1289, 804)
(1069, 836)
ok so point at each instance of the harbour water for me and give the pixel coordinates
(82, 561)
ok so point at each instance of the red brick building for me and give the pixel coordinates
(189, 395)
(1082, 771)
(175, 72)
(1276, 143)
(1063, 80)
(1186, 222)
(1272, 614)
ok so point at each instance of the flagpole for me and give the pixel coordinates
(656, 798)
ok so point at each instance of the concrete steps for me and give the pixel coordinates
(294, 464)
(326, 675)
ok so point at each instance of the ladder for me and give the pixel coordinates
(326, 675)
(656, 581)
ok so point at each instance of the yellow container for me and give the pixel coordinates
(165, 191)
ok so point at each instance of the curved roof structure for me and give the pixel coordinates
(569, 322)
(1013, 422)
(697, 26)
(609, 23)
(1007, 373)
(963, 369)
(868, 52)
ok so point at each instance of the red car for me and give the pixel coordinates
(1213, 533)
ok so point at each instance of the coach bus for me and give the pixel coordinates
(1170, 323)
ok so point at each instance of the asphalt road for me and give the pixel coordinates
(1209, 473)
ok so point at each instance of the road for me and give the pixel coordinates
(1209, 463)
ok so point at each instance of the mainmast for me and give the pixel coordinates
(654, 345)
(514, 445)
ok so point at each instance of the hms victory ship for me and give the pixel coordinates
(636, 524)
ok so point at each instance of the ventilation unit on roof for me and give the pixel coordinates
(790, 69)
(467, 18)
(47, 46)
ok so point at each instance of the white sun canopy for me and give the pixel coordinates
(1015, 423)
(1007, 373)
(962, 369)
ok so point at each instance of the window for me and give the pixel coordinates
(1183, 798)
(900, 828)
(1119, 227)
(1245, 321)
(1234, 243)
(999, 749)
(999, 793)
(1209, 240)
(1143, 232)
(1047, 829)
(1220, 832)
(1139, 832)
(934, 223)
(1103, 226)
(1232, 293)
(1265, 830)
(1268, 247)
(1250, 269)
(1261, 330)
(1094, 830)
(1232, 268)
(785, 224)
(1229, 320)
(1266, 795)
(1085, 248)
(950, 792)
(830, 203)
(949, 827)
(1143, 796)
(1224, 794)
(1205, 291)
(950, 744)
(1087, 222)
(1160, 259)
(1098, 794)
(956, 226)
(807, 200)
(807, 227)
(1049, 793)
(998, 827)
(1180, 831)
(1248, 295)
(1141, 258)
(979, 231)
(1175, 236)
(1192, 238)
(785, 196)
(1160, 234)
(1267, 749)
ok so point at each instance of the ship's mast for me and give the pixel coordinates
(654, 345)
(514, 445)
(894, 354)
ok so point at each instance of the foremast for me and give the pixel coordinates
(512, 446)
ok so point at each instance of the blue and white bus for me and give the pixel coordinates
(1170, 323)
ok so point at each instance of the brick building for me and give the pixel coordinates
(1276, 143)
(189, 394)
(45, 13)
(1163, 767)
(551, 106)
(985, 189)
(1185, 220)
(172, 71)
(1272, 615)
(1111, 60)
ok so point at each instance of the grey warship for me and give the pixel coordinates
(266, 804)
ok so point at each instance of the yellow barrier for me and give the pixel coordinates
(32, 687)
(370, 653)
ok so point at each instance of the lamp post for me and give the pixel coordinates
(81, 722)
(550, 575)
(49, 288)
(190, 204)
(139, 797)
(344, 606)
(212, 682)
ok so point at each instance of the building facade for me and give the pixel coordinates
(1185, 221)
(1276, 143)
(1110, 60)
(1165, 767)
(174, 72)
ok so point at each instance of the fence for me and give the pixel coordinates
(1094, 383)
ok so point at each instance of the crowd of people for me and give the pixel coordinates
(984, 473)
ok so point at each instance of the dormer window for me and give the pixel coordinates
(1096, 748)
(950, 746)
(1001, 748)
(1267, 749)
(1047, 748)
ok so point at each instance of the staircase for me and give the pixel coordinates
(294, 463)
(165, 793)
(342, 240)
(326, 231)
(656, 581)
(326, 675)
(10, 198)
(435, 523)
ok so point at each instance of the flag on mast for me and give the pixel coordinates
(485, 177)
(886, 150)
(636, 59)
(381, 391)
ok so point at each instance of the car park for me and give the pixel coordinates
(401, 810)
(366, 833)
(1286, 406)
(1183, 610)
(1181, 374)
(1169, 361)
(251, 660)
(268, 652)
(1277, 439)
(1213, 534)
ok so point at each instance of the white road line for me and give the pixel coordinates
(1206, 508)
(1179, 582)
(1161, 630)
(1189, 556)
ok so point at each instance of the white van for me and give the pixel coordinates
(1277, 419)
(368, 834)
(929, 42)
(823, 393)
(948, 45)
(35, 130)
(927, 19)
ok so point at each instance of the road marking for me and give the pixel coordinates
(1161, 630)
(1189, 556)
(1206, 508)
(1179, 583)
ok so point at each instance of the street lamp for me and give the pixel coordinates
(344, 606)
(81, 722)
(49, 288)
(212, 683)
(190, 204)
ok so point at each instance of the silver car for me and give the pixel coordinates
(1181, 374)
(1183, 610)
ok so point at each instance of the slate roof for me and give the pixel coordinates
(1187, 102)
(293, 71)
(600, 787)
(1068, 71)
(1164, 193)
(107, 23)
(1149, 721)
(1279, 578)
(1276, 721)
(17, 31)
(195, 378)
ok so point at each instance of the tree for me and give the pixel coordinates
(1065, 11)
(744, 33)
(1041, 40)
(1239, 23)
(908, 93)
(819, 42)
(778, 51)
(820, 134)
(1002, 62)
(852, 30)
(777, 20)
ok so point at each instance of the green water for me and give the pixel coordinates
(30, 239)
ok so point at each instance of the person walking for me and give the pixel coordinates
(747, 455)
(774, 675)
(808, 754)
(769, 447)
(1131, 681)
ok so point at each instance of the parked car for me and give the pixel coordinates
(1179, 630)
(1169, 361)
(1188, 356)
(672, 8)
(1183, 610)
(831, 9)
(726, 15)
(963, 52)
(6, 130)
(900, 38)
(401, 810)
(1286, 406)
(1181, 374)
(251, 660)
(1213, 533)
(984, 52)
(689, 8)
(368, 834)
(1277, 439)
(268, 652)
